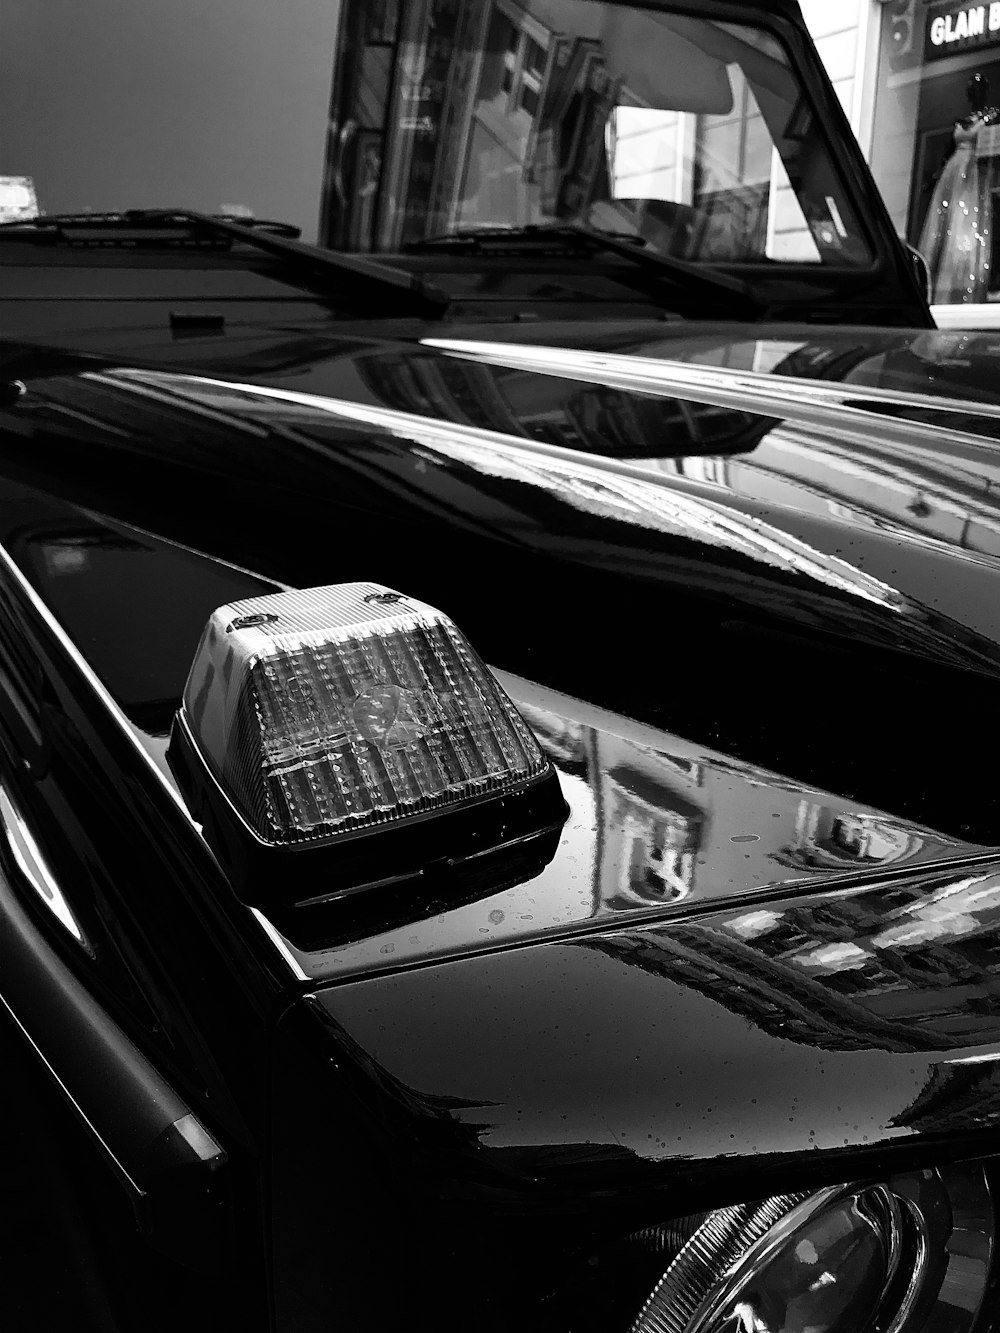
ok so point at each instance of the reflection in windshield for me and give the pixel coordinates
(693, 136)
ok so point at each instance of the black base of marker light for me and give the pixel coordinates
(439, 887)
(446, 847)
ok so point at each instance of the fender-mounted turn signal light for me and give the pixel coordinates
(356, 722)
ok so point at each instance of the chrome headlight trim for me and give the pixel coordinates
(935, 1230)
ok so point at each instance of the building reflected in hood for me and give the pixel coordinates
(911, 965)
(832, 838)
(675, 821)
(958, 1098)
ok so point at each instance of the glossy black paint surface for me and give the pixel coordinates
(725, 1040)
(759, 643)
(826, 572)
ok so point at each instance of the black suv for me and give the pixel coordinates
(666, 999)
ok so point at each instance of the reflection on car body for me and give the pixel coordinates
(645, 980)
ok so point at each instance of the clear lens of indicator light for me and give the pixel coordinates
(342, 709)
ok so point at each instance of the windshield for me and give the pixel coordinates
(692, 135)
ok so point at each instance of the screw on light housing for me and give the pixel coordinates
(318, 719)
(249, 622)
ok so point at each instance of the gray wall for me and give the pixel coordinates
(129, 103)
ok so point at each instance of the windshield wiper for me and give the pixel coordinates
(276, 238)
(575, 234)
(137, 218)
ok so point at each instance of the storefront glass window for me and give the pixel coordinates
(936, 141)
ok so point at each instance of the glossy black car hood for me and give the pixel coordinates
(745, 591)
(795, 569)
(712, 1044)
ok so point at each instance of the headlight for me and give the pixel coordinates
(908, 1255)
